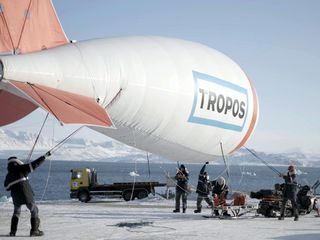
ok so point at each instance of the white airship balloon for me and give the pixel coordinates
(171, 97)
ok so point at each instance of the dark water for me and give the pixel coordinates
(253, 179)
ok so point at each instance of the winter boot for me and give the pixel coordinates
(35, 232)
(176, 210)
(198, 210)
(226, 214)
(216, 212)
(184, 210)
(296, 214)
(14, 226)
(282, 210)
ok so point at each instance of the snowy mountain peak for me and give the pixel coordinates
(20, 143)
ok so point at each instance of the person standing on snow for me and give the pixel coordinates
(290, 192)
(17, 182)
(317, 207)
(182, 177)
(219, 193)
(203, 189)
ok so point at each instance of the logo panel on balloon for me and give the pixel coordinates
(218, 103)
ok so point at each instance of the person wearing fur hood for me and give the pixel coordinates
(17, 183)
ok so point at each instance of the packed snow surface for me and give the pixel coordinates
(151, 218)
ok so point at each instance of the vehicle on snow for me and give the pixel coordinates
(84, 185)
(271, 200)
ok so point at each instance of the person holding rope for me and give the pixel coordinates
(219, 193)
(290, 192)
(203, 189)
(17, 182)
(182, 177)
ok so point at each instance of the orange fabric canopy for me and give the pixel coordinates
(13, 108)
(65, 106)
(29, 26)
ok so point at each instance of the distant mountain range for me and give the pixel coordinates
(242, 156)
(20, 144)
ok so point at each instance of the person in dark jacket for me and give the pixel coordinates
(21, 192)
(203, 189)
(219, 193)
(290, 192)
(182, 177)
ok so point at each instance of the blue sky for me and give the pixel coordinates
(275, 42)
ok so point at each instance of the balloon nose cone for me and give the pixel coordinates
(1, 70)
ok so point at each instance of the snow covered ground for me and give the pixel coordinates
(151, 218)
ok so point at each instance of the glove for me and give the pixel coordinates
(48, 154)
(207, 162)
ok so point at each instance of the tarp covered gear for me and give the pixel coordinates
(239, 199)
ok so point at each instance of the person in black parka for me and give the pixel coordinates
(203, 189)
(290, 192)
(17, 182)
(182, 177)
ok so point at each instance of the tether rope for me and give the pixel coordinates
(263, 161)
(57, 146)
(221, 173)
(49, 170)
(148, 165)
(135, 167)
(36, 141)
(227, 167)
(242, 169)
